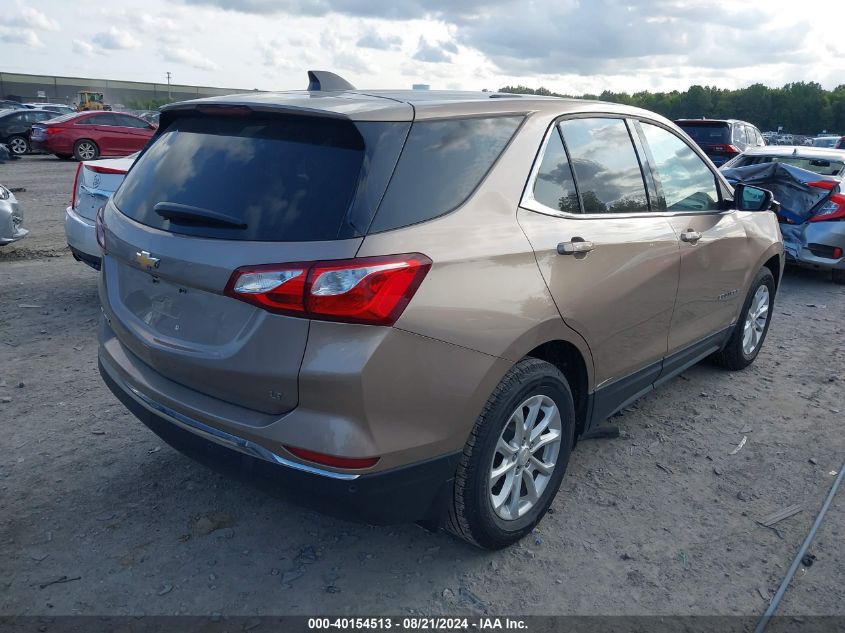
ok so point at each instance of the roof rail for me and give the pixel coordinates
(324, 81)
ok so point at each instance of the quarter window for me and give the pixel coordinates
(129, 121)
(554, 186)
(606, 166)
(687, 182)
(442, 162)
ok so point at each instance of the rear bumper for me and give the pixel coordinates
(81, 236)
(800, 242)
(417, 492)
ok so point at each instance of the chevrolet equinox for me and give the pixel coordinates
(406, 306)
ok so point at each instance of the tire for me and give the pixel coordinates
(739, 352)
(85, 149)
(530, 385)
(838, 276)
(18, 145)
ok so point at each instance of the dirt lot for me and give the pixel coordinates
(659, 521)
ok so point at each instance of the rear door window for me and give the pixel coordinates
(441, 165)
(606, 166)
(286, 178)
(554, 185)
(93, 119)
(686, 181)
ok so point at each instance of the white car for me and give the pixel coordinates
(95, 182)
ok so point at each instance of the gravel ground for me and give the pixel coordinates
(659, 521)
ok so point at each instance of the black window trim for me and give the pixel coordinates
(528, 202)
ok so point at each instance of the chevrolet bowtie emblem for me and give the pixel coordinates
(145, 260)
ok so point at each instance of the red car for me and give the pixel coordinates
(89, 135)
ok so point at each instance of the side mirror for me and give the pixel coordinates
(748, 198)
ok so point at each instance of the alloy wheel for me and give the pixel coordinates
(17, 145)
(86, 151)
(525, 457)
(755, 321)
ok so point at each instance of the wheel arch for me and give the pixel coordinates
(571, 362)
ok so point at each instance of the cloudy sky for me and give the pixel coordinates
(571, 46)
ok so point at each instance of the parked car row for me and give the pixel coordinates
(16, 125)
(81, 135)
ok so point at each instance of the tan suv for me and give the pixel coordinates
(406, 306)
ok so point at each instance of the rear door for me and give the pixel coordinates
(135, 132)
(715, 251)
(288, 186)
(110, 135)
(610, 263)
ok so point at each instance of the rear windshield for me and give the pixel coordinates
(286, 178)
(707, 132)
(820, 166)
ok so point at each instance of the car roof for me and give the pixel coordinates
(687, 121)
(19, 111)
(799, 151)
(407, 105)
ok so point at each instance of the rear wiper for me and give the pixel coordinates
(196, 215)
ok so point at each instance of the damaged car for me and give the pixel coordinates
(11, 218)
(812, 205)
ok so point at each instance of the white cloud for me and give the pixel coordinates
(83, 48)
(30, 18)
(27, 37)
(116, 39)
(372, 39)
(187, 56)
(571, 46)
(436, 53)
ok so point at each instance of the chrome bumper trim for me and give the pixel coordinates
(224, 438)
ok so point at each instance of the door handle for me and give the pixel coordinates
(577, 246)
(690, 236)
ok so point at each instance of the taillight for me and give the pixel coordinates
(52, 130)
(333, 460)
(105, 170)
(833, 209)
(830, 185)
(725, 149)
(75, 186)
(278, 289)
(101, 229)
(369, 290)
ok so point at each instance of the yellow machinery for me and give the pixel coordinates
(90, 100)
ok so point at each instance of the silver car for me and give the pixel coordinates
(813, 236)
(11, 218)
(95, 182)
